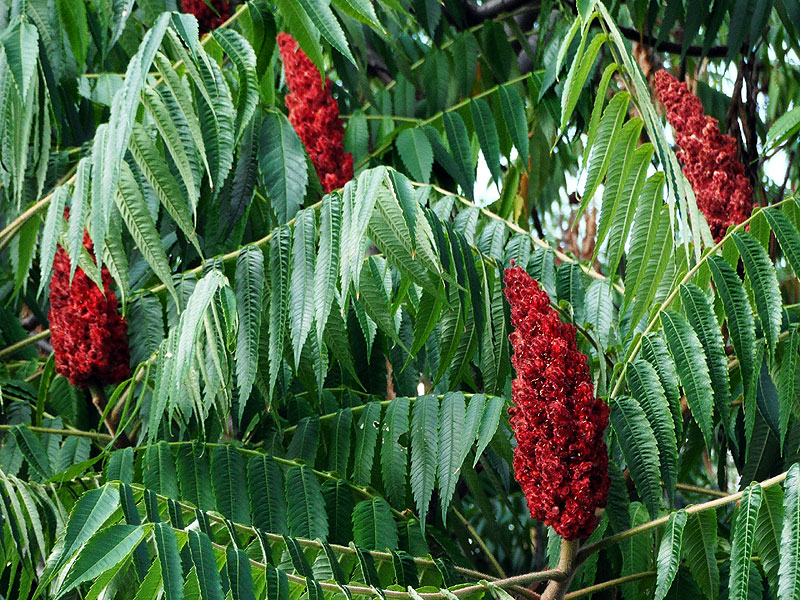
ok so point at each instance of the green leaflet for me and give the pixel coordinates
(194, 473)
(340, 436)
(597, 109)
(487, 135)
(768, 532)
(738, 314)
(327, 266)
(645, 387)
(101, 553)
(366, 440)
(789, 569)
(569, 287)
(490, 419)
(424, 448)
(373, 525)
(416, 153)
(305, 441)
(607, 132)
(458, 140)
(279, 251)
(239, 573)
(788, 380)
(170, 561)
(282, 160)
(202, 556)
(631, 190)
(640, 449)
(171, 138)
(266, 490)
(625, 148)
(49, 243)
(743, 542)
(576, 77)
(91, 510)
(669, 553)
(306, 506)
(515, 119)
(645, 220)
(699, 549)
(451, 424)
(701, 317)
(159, 474)
(33, 451)
(764, 281)
(249, 285)
(322, 17)
(229, 483)
(301, 288)
(692, 369)
(394, 456)
(787, 236)
(134, 211)
(242, 55)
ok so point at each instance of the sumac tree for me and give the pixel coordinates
(381, 298)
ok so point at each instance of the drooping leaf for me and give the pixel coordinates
(765, 285)
(640, 449)
(699, 548)
(669, 553)
(451, 423)
(283, 165)
(373, 525)
(424, 448)
(789, 569)
(744, 541)
(394, 455)
(306, 506)
(692, 369)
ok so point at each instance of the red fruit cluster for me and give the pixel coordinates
(560, 459)
(207, 17)
(709, 158)
(314, 114)
(88, 334)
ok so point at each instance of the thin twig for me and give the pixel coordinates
(611, 583)
(23, 343)
(479, 540)
(92, 435)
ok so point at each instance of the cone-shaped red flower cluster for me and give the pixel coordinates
(314, 114)
(709, 158)
(88, 334)
(560, 459)
(207, 17)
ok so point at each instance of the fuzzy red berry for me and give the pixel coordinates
(208, 18)
(88, 334)
(709, 158)
(560, 460)
(314, 114)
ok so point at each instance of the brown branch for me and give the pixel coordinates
(671, 47)
(100, 401)
(476, 14)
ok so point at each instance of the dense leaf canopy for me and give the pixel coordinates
(311, 397)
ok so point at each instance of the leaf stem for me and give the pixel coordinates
(23, 343)
(686, 278)
(383, 556)
(696, 508)
(611, 583)
(92, 435)
(479, 540)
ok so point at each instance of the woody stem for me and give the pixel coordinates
(556, 589)
(100, 401)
